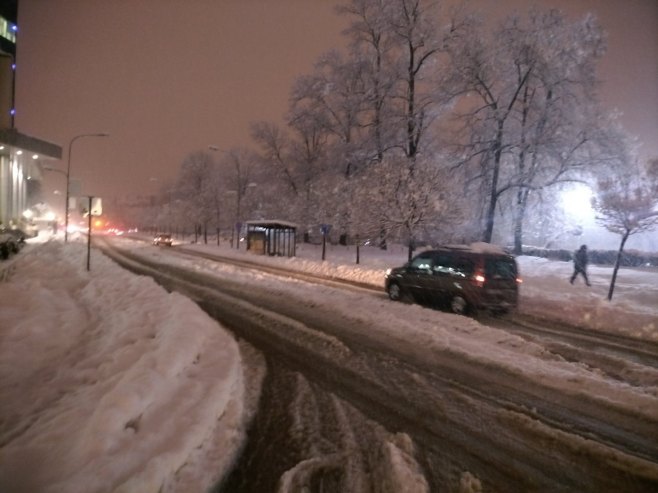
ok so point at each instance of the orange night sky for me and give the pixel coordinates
(169, 77)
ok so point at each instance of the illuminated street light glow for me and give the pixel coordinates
(577, 203)
(577, 197)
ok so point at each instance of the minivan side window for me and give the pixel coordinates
(441, 264)
(453, 266)
(463, 267)
(421, 263)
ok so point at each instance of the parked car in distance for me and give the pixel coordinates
(162, 239)
(19, 235)
(464, 278)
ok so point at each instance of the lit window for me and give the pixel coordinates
(8, 30)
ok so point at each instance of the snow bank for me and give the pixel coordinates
(111, 384)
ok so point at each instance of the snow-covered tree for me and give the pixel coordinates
(627, 204)
(236, 187)
(526, 114)
(411, 203)
(194, 190)
(528, 106)
(371, 49)
(293, 160)
(395, 48)
(332, 96)
(277, 165)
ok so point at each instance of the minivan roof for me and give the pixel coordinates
(477, 247)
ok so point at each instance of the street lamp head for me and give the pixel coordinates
(94, 134)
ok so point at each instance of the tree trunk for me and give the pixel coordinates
(493, 197)
(519, 214)
(411, 249)
(617, 262)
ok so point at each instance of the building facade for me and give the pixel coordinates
(21, 156)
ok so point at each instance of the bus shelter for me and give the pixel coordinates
(274, 238)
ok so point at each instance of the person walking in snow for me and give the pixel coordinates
(580, 264)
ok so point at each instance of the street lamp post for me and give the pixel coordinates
(68, 179)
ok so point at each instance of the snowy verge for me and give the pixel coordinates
(109, 383)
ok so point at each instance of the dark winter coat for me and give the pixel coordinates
(580, 259)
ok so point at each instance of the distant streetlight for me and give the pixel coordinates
(68, 180)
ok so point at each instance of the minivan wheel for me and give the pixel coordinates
(458, 305)
(394, 292)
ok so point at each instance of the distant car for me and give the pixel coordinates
(462, 277)
(162, 239)
(19, 235)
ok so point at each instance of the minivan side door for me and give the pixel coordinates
(451, 274)
(418, 274)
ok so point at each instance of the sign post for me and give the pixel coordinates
(89, 234)
(95, 209)
(324, 228)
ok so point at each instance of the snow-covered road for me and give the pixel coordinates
(359, 391)
(342, 373)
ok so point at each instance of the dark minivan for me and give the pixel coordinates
(466, 278)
